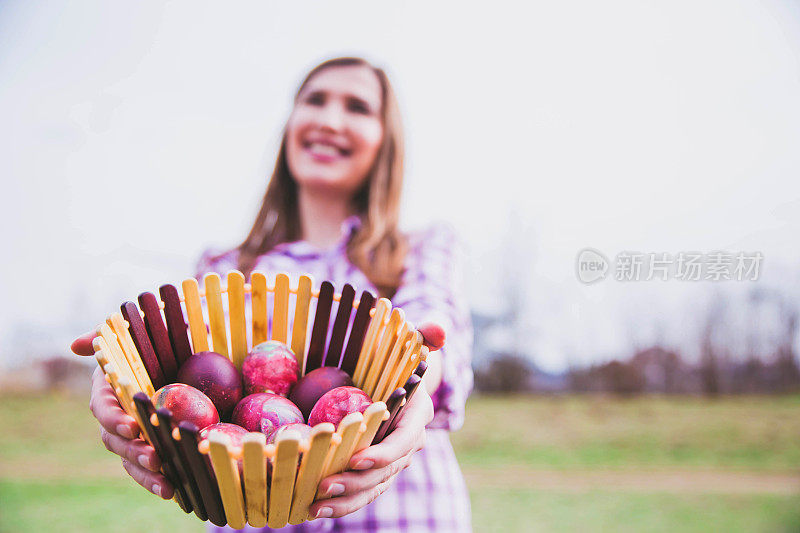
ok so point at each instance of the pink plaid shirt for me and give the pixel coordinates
(430, 495)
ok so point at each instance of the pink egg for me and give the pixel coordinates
(270, 367)
(336, 404)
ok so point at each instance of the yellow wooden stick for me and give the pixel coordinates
(407, 364)
(281, 308)
(373, 416)
(255, 478)
(216, 313)
(392, 363)
(258, 299)
(337, 459)
(370, 340)
(284, 471)
(300, 325)
(194, 310)
(112, 378)
(236, 316)
(423, 353)
(227, 473)
(310, 472)
(120, 327)
(390, 335)
(125, 395)
(100, 355)
(116, 357)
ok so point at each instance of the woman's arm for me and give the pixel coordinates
(433, 291)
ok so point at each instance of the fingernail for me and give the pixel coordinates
(364, 464)
(324, 512)
(157, 490)
(144, 461)
(335, 489)
(124, 431)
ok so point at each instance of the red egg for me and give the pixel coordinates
(313, 385)
(336, 404)
(186, 403)
(215, 376)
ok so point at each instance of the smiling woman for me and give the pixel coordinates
(342, 154)
(331, 210)
(335, 130)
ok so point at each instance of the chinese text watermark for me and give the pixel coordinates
(591, 266)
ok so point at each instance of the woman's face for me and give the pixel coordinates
(335, 129)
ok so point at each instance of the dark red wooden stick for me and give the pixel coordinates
(421, 368)
(357, 332)
(176, 323)
(393, 405)
(179, 462)
(145, 408)
(411, 386)
(340, 325)
(203, 476)
(141, 339)
(158, 334)
(319, 332)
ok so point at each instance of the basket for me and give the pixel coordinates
(141, 347)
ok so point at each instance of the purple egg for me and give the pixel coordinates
(215, 376)
(316, 383)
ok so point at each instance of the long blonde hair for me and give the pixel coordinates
(377, 247)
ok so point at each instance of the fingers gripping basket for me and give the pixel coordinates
(141, 347)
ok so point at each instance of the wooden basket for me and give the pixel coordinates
(141, 347)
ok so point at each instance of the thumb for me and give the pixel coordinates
(432, 335)
(83, 344)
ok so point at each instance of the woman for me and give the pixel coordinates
(331, 210)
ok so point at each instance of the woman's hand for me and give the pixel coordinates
(119, 431)
(374, 469)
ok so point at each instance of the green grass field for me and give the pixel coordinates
(532, 464)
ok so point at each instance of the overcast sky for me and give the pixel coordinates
(133, 136)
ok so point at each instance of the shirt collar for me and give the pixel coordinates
(304, 250)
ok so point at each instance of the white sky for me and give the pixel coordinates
(132, 136)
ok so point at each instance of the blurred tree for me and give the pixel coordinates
(660, 369)
(710, 353)
(506, 373)
(786, 367)
(624, 379)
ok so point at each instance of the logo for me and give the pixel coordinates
(591, 266)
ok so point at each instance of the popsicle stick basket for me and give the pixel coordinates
(141, 348)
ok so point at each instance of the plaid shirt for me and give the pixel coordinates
(430, 495)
